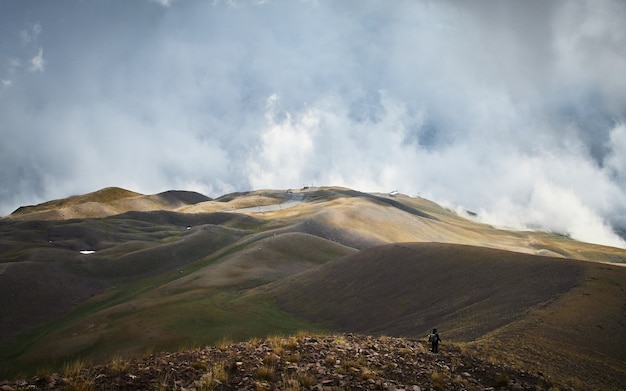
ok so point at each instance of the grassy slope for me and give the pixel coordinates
(560, 317)
(579, 337)
(362, 220)
(407, 288)
(200, 306)
(45, 276)
(107, 202)
(224, 255)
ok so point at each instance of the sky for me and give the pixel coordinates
(513, 110)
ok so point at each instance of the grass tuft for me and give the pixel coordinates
(290, 383)
(306, 380)
(294, 357)
(118, 365)
(298, 381)
(265, 373)
(439, 380)
(330, 360)
(368, 373)
(271, 359)
(73, 369)
(214, 377)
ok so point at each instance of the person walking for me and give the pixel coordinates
(434, 340)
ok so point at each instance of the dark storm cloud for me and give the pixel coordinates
(513, 109)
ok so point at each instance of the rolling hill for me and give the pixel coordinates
(500, 301)
(107, 202)
(117, 273)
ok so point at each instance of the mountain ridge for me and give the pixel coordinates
(315, 362)
(251, 264)
(105, 202)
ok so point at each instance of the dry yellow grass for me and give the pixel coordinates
(394, 225)
(102, 203)
(337, 208)
(265, 373)
(269, 258)
(213, 378)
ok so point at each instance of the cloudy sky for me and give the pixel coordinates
(514, 110)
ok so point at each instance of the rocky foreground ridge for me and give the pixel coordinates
(341, 362)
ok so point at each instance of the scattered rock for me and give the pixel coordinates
(324, 363)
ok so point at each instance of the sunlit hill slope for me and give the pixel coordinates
(117, 273)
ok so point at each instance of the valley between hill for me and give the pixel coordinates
(177, 269)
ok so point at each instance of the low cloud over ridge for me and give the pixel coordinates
(516, 110)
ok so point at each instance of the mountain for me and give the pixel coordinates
(107, 202)
(118, 274)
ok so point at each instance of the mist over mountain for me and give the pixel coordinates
(515, 111)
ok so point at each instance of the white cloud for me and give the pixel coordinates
(493, 108)
(591, 36)
(555, 209)
(286, 148)
(616, 158)
(30, 35)
(562, 211)
(164, 3)
(37, 63)
(541, 189)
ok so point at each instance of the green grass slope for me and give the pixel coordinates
(44, 275)
(198, 303)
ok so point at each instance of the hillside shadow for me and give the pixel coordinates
(329, 194)
(406, 289)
